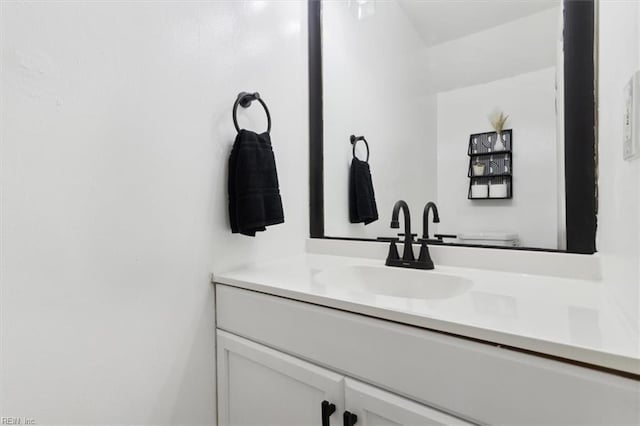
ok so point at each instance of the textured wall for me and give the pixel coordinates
(116, 129)
(619, 181)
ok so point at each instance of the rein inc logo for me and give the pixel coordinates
(17, 421)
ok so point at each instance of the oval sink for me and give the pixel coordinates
(395, 282)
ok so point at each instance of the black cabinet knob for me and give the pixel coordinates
(327, 410)
(349, 419)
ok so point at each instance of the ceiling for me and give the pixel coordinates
(438, 21)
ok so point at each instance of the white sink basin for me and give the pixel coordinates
(395, 282)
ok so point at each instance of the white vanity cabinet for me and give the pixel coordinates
(261, 386)
(279, 358)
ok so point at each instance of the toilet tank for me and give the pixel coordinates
(502, 239)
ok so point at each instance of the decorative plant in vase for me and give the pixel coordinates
(498, 122)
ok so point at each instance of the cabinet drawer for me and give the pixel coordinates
(480, 382)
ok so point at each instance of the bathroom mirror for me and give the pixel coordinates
(425, 83)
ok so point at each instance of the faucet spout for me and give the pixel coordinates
(425, 218)
(408, 248)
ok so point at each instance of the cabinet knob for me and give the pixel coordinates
(349, 419)
(327, 410)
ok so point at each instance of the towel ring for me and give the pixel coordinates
(244, 100)
(354, 141)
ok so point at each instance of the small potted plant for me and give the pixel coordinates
(498, 122)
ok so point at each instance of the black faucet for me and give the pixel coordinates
(408, 260)
(425, 257)
(425, 218)
(407, 254)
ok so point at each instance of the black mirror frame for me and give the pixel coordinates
(580, 127)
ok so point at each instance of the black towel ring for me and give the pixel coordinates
(354, 141)
(244, 100)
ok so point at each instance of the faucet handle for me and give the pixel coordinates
(413, 236)
(425, 257)
(393, 249)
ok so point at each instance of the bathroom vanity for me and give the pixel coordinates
(466, 346)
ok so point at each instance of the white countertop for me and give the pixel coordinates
(561, 317)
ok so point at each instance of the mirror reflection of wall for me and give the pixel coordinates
(417, 79)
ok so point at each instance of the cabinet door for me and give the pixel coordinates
(260, 386)
(375, 407)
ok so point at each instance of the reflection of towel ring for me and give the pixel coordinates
(244, 100)
(354, 140)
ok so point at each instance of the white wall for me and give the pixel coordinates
(513, 48)
(529, 99)
(371, 85)
(441, 21)
(618, 239)
(116, 130)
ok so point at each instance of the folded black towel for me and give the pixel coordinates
(254, 195)
(362, 201)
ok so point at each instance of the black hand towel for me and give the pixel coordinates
(254, 194)
(362, 201)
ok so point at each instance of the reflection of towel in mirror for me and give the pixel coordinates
(254, 194)
(362, 201)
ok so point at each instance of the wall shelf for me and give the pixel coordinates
(492, 176)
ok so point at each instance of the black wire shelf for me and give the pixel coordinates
(490, 171)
